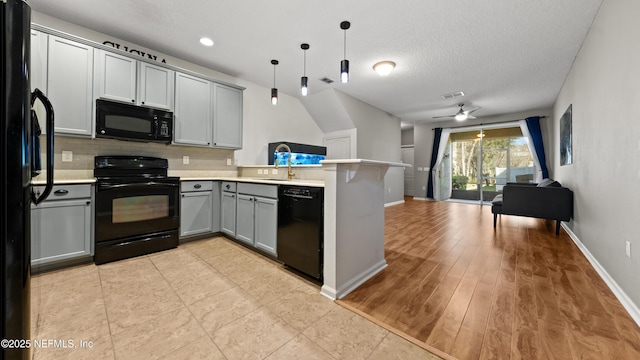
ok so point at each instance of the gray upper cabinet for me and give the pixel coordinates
(70, 85)
(122, 78)
(156, 85)
(227, 117)
(61, 225)
(192, 116)
(115, 77)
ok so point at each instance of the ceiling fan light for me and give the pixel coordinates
(384, 68)
(461, 116)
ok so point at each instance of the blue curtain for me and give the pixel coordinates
(533, 124)
(434, 158)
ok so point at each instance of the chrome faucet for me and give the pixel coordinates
(290, 174)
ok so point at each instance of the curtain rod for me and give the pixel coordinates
(491, 123)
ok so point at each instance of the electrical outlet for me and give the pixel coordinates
(628, 249)
(419, 168)
(259, 171)
(274, 171)
(389, 190)
(67, 156)
(185, 160)
(265, 171)
(424, 188)
(228, 162)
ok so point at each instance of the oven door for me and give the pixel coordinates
(126, 208)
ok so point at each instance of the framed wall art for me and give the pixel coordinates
(566, 143)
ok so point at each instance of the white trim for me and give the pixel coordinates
(352, 284)
(624, 299)
(393, 203)
(421, 198)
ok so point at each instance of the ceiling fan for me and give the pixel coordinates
(461, 115)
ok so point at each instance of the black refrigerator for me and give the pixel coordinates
(19, 161)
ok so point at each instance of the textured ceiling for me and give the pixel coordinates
(506, 56)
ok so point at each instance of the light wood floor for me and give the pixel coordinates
(519, 292)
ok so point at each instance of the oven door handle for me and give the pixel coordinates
(135, 185)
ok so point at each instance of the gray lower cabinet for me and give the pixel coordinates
(61, 225)
(266, 224)
(228, 209)
(196, 208)
(257, 216)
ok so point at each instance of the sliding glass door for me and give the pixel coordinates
(484, 160)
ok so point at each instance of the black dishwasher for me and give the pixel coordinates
(300, 228)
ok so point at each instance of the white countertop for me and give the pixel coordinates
(270, 181)
(364, 162)
(297, 182)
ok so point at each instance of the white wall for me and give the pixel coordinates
(423, 137)
(263, 122)
(605, 175)
(378, 139)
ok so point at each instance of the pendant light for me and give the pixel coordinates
(274, 91)
(344, 64)
(304, 80)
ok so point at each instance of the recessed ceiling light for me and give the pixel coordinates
(384, 68)
(206, 41)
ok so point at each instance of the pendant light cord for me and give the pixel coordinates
(345, 43)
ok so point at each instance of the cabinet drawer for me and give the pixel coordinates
(270, 191)
(190, 186)
(228, 186)
(65, 192)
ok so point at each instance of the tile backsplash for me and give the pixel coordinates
(84, 150)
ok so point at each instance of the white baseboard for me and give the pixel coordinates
(624, 299)
(399, 202)
(421, 198)
(352, 284)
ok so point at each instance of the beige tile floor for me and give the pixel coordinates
(210, 299)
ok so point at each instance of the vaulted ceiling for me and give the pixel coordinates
(506, 56)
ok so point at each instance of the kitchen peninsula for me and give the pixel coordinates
(353, 215)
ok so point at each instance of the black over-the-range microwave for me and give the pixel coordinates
(122, 121)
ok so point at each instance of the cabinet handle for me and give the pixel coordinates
(233, 196)
(228, 186)
(88, 203)
(197, 186)
(61, 192)
(133, 100)
(182, 195)
(142, 103)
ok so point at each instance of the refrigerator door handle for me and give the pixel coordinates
(37, 94)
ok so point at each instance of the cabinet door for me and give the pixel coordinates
(115, 77)
(227, 117)
(228, 213)
(266, 222)
(60, 230)
(38, 70)
(192, 116)
(155, 86)
(195, 213)
(216, 207)
(70, 85)
(244, 219)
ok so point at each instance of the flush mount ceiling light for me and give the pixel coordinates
(344, 64)
(206, 41)
(274, 91)
(384, 68)
(304, 80)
